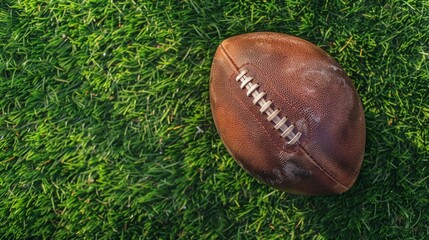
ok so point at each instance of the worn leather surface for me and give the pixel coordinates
(312, 90)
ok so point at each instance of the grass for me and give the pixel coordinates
(106, 130)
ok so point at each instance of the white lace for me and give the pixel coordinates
(265, 107)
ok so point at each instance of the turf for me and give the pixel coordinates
(106, 129)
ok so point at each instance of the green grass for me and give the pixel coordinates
(106, 130)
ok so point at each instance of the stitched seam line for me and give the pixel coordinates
(266, 106)
(229, 58)
(323, 169)
(244, 105)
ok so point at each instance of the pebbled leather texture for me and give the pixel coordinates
(309, 88)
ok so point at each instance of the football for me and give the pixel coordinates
(287, 113)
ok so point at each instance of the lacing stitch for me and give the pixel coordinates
(265, 107)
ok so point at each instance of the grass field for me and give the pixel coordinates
(106, 129)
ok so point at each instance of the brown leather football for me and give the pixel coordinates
(287, 113)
